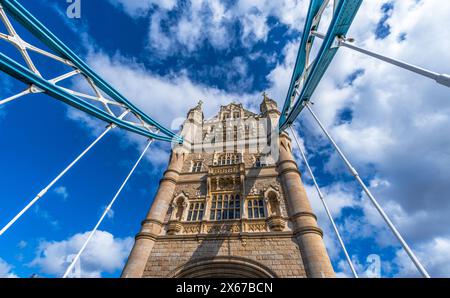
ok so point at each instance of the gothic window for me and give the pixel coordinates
(197, 166)
(225, 206)
(236, 115)
(228, 159)
(195, 211)
(255, 208)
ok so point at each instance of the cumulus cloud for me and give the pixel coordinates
(213, 22)
(62, 192)
(105, 253)
(396, 135)
(6, 270)
(434, 255)
(139, 8)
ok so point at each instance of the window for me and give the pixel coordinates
(197, 166)
(229, 159)
(255, 208)
(236, 115)
(196, 211)
(225, 207)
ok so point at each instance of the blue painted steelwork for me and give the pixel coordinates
(343, 17)
(300, 62)
(27, 76)
(35, 27)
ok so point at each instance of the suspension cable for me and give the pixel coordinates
(355, 174)
(107, 209)
(443, 79)
(319, 192)
(45, 190)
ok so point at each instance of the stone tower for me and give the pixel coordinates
(231, 204)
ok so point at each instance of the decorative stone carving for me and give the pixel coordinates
(254, 191)
(258, 226)
(273, 201)
(276, 223)
(174, 227)
(223, 228)
(191, 229)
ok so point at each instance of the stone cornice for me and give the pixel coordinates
(168, 179)
(286, 161)
(151, 220)
(307, 230)
(300, 214)
(169, 171)
(241, 235)
(289, 170)
(145, 235)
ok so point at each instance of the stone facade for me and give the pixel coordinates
(231, 204)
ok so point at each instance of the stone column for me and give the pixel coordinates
(306, 231)
(152, 225)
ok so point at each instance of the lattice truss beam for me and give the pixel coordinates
(307, 74)
(78, 85)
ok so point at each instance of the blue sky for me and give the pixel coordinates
(165, 56)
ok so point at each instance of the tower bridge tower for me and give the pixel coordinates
(231, 204)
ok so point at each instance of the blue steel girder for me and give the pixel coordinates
(344, 13)
(307, 38)
(147, 126)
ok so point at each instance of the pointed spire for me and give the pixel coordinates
(199, 104)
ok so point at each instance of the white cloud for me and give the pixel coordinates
(22, 244)
(139, 8)
(46, 215)
(6, 270)
(105, 253)
(433, 254)
(397, 133)
(212, 21)
(62, 192)
(164, 97)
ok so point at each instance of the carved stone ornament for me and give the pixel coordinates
(276, 223)
(174, 227)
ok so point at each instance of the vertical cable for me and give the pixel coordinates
(355, 174)
(319, 192)
(106, 211)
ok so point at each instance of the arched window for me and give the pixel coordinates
(255, 208)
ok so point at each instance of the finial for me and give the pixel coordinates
(264, 94)
(199, 104)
